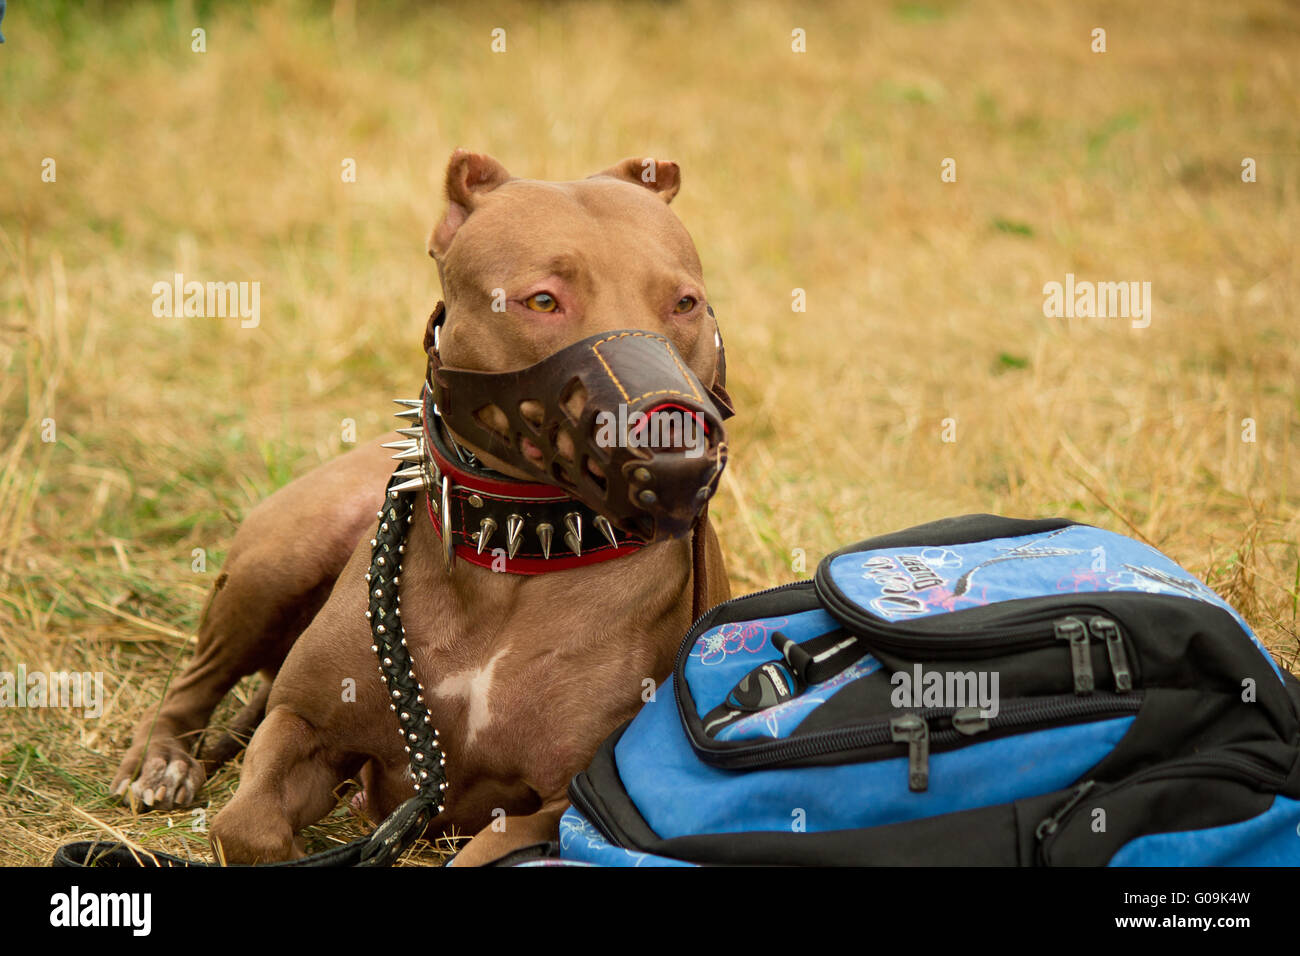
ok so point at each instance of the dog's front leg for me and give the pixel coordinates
(288, 782)
(511, 833)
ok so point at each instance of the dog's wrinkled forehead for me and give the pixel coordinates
(602, 253)
(590, 230)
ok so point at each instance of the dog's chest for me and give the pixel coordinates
(476, 691)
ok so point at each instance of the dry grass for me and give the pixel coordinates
(817, 171)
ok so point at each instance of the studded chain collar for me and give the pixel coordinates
(406, 694)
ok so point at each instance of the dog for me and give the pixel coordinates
(546, 577)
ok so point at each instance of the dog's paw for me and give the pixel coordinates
(162, 777)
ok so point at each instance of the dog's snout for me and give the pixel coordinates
(672, 430)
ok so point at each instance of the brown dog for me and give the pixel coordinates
(525, 672)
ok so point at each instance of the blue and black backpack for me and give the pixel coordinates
(978, 690)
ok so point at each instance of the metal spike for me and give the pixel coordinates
(405, 443)
(411, 432)
(413, 485)
(544, 533)
(409, 402)
(415, 471)
(606, 529)
(485, 529)
(573, 534)
(413, 414)
(411, 454)
(514, 534)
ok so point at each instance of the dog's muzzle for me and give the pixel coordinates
(620, 421)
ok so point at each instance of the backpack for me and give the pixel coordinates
(979, 690)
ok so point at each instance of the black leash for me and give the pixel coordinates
(420, 738)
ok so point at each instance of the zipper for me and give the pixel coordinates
(1108, 631)
(912, 730)
(922, 730)
(1105, 630)
(1227, 765)
(1038, 629)
(1071, 630)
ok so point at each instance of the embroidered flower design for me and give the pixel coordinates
(715, 646)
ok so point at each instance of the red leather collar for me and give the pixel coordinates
(472, 498)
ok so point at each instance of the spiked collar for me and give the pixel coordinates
(496, 521)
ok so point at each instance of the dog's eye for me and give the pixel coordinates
(684, 305)
(542, 302)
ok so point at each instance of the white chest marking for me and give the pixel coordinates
(476, 687)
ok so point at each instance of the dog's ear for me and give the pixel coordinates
(660, 176)
(469, 176)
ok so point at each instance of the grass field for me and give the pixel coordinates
(818, 171)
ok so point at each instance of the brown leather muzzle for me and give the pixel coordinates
(627, 403)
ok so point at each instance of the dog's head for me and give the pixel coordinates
(577, 346)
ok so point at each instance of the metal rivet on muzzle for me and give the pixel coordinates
(647, 497)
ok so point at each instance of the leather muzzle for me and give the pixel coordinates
(622, 401)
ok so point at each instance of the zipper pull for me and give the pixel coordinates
(914, 731)
(1071, 629)
(969, 721)
(1108, 631)
(1052, 823)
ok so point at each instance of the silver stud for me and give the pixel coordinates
(607, 529)
(414, 484)
(544, 534)
(410, 454)
(514, 534)
(411, 414)
(405, 443)
(485, 529)
(415, 471)
(647, 497)
(409, 402)
(411, 432)
(642, 475)
(573, 532)
(475, 501)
